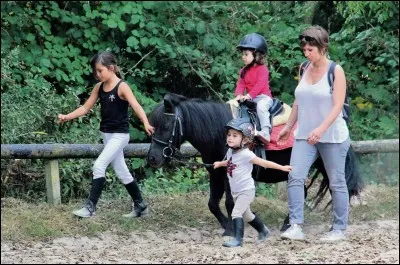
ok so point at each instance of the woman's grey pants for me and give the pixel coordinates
(113, 152)
(334, 158)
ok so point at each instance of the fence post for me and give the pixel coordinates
(53, 182)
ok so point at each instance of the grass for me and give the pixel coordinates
(27, 221)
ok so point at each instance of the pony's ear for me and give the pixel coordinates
(171, 100)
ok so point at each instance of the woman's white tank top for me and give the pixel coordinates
(314, 102)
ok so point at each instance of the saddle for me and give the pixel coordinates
(248, 109)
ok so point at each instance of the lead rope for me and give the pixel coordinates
(191, 163)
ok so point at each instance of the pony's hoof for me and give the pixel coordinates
(228, 233)
(285, 227)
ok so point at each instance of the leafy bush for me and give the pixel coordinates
(185, 48)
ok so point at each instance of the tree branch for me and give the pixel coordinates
(147, 54)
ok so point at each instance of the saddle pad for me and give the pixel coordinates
(234, 105)
(273, 145)
(283, 116)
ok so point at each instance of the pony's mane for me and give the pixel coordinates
(204, 119)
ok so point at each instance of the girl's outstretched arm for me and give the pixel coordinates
(84, 109)
(218, 164)
(269, 164)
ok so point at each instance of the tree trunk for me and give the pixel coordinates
(311, 7)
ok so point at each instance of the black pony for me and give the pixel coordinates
(202, 123)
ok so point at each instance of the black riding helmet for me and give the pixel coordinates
(253, 41)
(242, 125)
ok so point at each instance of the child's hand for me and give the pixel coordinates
(149, 129)
(238, 98)
(62, 118)
(217, 165)
(286, 168)
(233, 102)
(241, 98)
(247, 97)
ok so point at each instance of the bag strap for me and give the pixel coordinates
(303, 67)
(331, 71)
(346, 104)
(331, 74)
(331, 78)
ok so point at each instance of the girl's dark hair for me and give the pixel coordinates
(319, 38)
(259, 58)
(107, 59)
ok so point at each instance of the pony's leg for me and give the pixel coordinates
(216, 192)
(229, 204)
(285, 224)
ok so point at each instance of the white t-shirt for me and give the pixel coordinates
(239, 169)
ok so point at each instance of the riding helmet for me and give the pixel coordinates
(253, 41)
(242, 125)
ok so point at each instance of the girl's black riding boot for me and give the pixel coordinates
(139, 205)
(238, 231)
(259, 226)
(95, 191)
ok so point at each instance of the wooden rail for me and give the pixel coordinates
(52, 152)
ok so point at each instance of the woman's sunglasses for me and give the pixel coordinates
(306, 38)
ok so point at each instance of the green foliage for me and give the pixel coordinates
(183, 47)
(180, 180)
(266, 190)
(22, 120)
(369, 53)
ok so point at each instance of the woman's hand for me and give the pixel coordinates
(314, 136)
(283, 135)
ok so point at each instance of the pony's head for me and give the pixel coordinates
(168, 136)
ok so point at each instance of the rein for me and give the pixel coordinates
(170, 151)
(191, 163)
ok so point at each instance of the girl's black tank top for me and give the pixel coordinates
(114, 111)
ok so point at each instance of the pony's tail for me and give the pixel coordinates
(352, 173)
(354, 182)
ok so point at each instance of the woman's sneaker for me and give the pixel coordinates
(293, 232)
(334, 235)
(138, 210)
(88, 210)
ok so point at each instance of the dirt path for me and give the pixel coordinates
(369, 242)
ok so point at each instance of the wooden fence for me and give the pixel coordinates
(52, 152)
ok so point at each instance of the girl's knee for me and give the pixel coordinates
(248, 217)
(126, 179)
(98, 169)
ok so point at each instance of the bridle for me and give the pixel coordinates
(170, 151)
